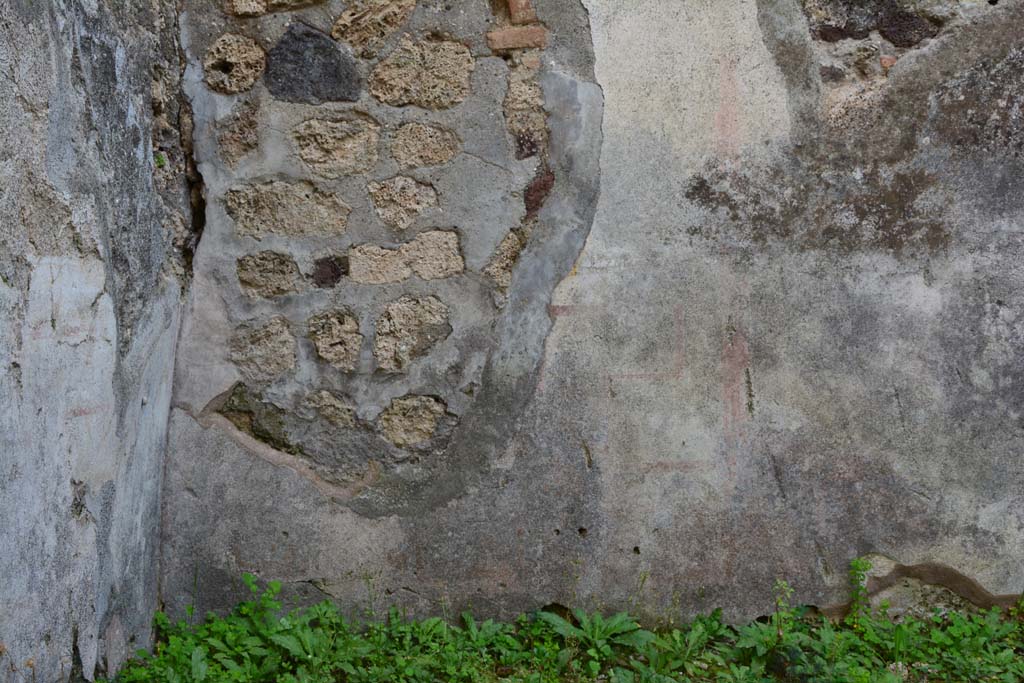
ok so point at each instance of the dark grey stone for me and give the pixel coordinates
(307, 66)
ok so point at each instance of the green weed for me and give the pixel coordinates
(258, 643)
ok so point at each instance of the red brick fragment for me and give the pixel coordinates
(522, 11)
(537, 191)
(517, 37)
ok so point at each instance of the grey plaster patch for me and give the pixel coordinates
(466, 366)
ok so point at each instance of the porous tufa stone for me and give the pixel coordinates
(411, 421)
(255, 8)
(431, 255)
(233, 64)
(292, 209)
(432, 74)
(239, 134)
(420, 144)
(504, 259)
(366, 24)
(335, 148)
(268, 274)
(332, 408)
(408, 329)
(335, 334)
(265, 353)
(434, 255)
(400, 200)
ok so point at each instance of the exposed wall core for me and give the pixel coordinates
(372, 289)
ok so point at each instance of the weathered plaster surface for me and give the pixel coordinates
(767, 319)
(90, 309)
(667, 301)
(767, 392)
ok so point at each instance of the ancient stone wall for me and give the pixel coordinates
(394, 189)
(494, 304)
(95, 226)
(440, 352)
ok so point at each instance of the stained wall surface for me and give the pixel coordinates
(94, 210)
(608, 304)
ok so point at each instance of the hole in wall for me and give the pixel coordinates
(582, 531)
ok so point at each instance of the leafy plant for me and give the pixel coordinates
(260, 643)
(598, 636)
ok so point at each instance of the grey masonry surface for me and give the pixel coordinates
(690, 298)
(90, 303)
(765, 321)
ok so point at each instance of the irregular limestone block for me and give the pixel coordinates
(367, 23)
(233, 63)
(293, 209)
(307, 66)
(239, 134)
(255, 8)
(434, 255)
(524, 112)
(335, 334)
(337, 148)
(411, 420)
(419, 144)
(400, 200)
(433, 74)
(332, 408)
(265, 353)
(268, 274)
(408, 329)
(373, 265)
(504, 259)
(431, 255)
